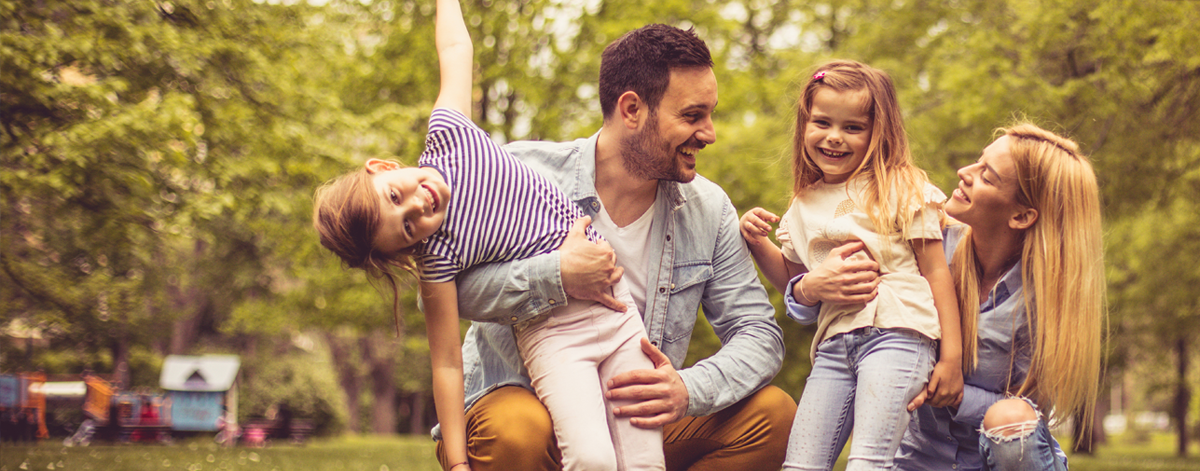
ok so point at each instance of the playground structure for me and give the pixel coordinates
(23, 407)
(124, 416)
(199, 395)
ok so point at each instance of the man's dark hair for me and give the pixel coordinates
(641, 61)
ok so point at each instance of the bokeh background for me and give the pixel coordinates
(158, 159)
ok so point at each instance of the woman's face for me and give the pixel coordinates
(987, 189)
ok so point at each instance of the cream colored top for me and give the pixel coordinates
(827, 216)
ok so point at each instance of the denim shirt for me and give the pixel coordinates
(696, 258)
(947, 439)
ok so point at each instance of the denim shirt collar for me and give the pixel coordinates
(1008, 284)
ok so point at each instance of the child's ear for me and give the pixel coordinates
(1023, 219)
(374, 166)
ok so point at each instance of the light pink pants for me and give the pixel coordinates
(571, 354)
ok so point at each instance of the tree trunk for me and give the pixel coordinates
(379, 352)
(120, 352)
(341, 349)
(1183, 396)
(416, 422)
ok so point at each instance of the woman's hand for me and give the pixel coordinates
(755, 225)
(945, 384)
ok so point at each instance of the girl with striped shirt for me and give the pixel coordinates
(470, 202)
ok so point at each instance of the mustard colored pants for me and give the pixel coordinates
(509, 429)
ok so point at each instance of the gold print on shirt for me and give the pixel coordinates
(844, 208)
(834, 233)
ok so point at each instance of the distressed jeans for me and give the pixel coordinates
(1024, 446)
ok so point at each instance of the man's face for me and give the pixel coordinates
(665, 147)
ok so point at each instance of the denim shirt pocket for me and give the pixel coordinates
(687, 287)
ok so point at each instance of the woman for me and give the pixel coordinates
(1027, 263)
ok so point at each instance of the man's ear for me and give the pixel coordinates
(1023, 219)
(631, 109)
(374, 166)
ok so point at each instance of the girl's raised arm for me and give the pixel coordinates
(455, 55)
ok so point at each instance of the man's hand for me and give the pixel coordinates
(847, 276)
(589, 269)
(755, 225)
(659, 395)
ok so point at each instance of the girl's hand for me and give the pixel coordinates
(755, 225)
(945, 385)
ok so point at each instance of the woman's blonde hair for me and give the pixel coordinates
(1062, 271)
(895, 184)
(346, 215)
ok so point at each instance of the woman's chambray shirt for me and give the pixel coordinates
(940, 439)
(697, 258)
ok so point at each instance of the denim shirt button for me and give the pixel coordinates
(672, 285)
(552, 302)
(513, 318)
(595, 206)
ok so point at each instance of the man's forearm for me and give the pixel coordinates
(511, 292)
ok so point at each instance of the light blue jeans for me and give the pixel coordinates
(1026, 446)
(861, 381)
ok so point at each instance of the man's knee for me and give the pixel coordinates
(513, 422)
(509, 429)
(1009, 417)
(775, 406)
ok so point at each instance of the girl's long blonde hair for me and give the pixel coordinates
(346, 217)
(1062, 271)
(896, 187)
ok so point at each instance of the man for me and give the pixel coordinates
(677, 244)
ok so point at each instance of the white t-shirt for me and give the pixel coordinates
(827, 216)
(630, 243)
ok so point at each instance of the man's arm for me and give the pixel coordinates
(511, 292)
(736, 305)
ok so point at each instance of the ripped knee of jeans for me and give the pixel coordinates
(1010, 419)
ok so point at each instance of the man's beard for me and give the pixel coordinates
(646, 155)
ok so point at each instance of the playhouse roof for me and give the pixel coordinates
(199, 373)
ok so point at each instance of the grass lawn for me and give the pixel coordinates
(396, 453)
(415, 453)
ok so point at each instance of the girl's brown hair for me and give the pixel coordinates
(895, 183)
(346, 216)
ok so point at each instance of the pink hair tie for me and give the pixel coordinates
(818, 76)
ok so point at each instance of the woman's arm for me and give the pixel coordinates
(946, 383)
(455, 55)
(445, 356)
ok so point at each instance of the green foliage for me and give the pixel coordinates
(157, 160)
(301, 380)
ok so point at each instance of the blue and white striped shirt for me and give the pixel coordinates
(499, 209)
